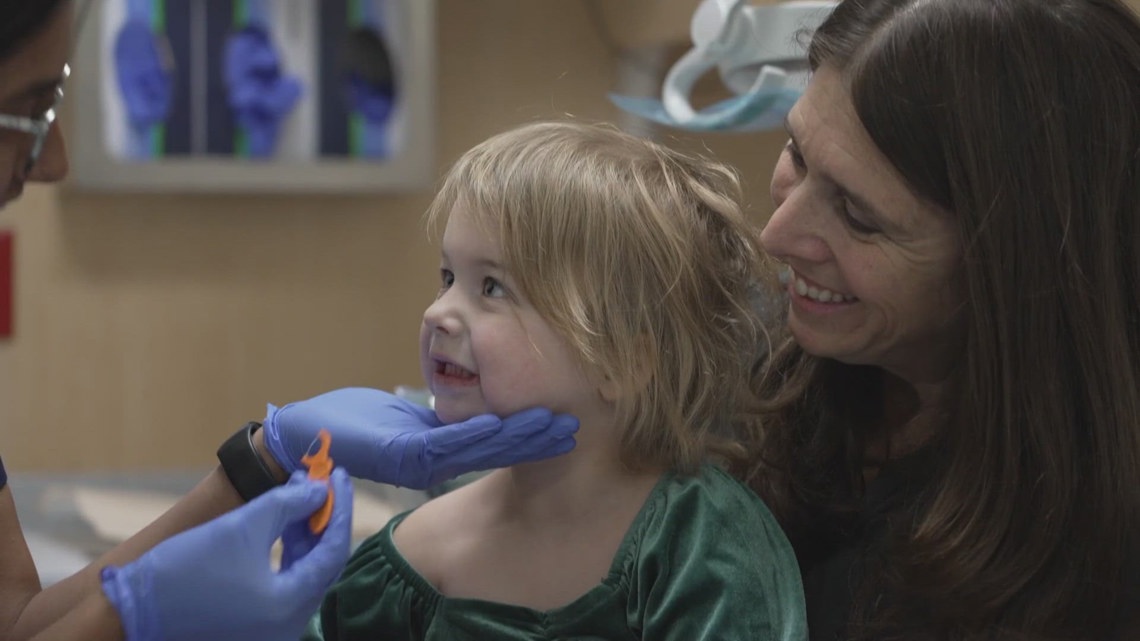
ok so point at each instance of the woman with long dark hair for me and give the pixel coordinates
(952, 421)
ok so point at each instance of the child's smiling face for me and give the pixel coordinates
(483, 347)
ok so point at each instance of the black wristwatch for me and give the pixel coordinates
(250, 476)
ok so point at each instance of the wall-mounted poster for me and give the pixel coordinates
(255, 95)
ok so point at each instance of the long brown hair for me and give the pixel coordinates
(1022, 117)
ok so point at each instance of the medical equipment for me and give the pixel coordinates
(320, 467)
(759, 56)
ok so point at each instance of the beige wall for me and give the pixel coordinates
(149, 327)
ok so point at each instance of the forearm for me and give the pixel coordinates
(92, 619)
(212, 497)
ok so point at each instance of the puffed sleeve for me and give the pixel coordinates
(378, 596)
(713, 564)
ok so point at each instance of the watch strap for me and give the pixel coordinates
(244, 467)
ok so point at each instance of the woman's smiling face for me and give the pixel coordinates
(873, 269)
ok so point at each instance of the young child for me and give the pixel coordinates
(598, 274)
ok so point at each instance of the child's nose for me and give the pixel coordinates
(443, 315)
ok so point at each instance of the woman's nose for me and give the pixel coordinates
(52, 165)
(795, 230)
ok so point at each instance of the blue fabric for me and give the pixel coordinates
(3, 474)
(260, 95)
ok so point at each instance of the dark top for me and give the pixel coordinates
(3, 475)
(831, 577)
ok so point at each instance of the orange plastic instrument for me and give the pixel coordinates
(320, 468)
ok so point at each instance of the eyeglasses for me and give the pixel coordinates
(39, 126)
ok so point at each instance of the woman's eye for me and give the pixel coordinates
(446, 278)
(493, 288)
(794, 153)
(853, 218)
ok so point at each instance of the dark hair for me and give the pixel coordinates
(1022, 118)
(22, 19)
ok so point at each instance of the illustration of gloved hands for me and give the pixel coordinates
(260, 94)
(381, 437)
(215, 581)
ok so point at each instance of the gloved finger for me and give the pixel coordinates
(535, 448)
(278, 441)
(340, 521)
(521, 425)
(286, 504)
(309, 576)
(452, 439)
(459, 436)
(296, 541)
(425, 415)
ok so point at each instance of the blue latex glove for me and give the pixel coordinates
(215, 582)
(260, 95)
(384, 438)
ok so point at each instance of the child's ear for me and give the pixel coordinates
(610, 390)
(644, 365)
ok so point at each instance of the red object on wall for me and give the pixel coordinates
(6, 282)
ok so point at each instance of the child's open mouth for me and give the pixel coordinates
(452, 374)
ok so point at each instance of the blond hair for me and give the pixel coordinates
(641, 258)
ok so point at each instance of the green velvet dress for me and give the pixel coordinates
(703, 559)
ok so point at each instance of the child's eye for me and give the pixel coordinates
(493, 288)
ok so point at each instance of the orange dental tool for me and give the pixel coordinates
(320, 468)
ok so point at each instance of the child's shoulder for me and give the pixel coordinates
(711, 500)
(712, 562)
(710, 485)
(435, 531)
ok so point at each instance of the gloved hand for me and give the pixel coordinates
(387, 439)
(215, 582)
